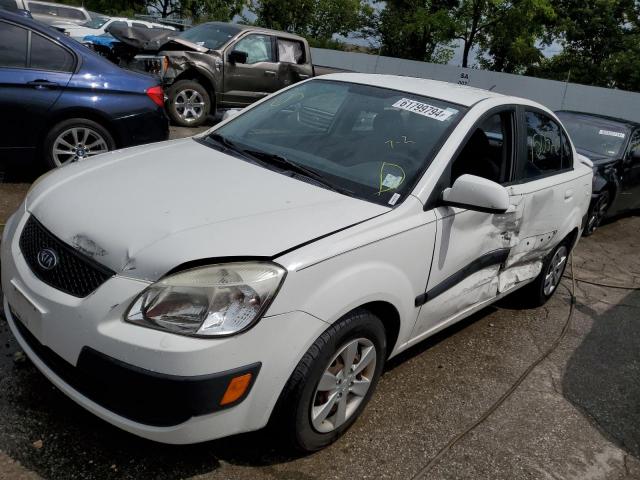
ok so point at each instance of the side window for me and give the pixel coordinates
(13, 46)
(547, 151)
(71, 13)
(9, 5)
(46, 55)
(43, 9)
(488, 153)
(634, 143)
(257, 47)
(290, 51)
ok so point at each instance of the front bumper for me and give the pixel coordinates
(122, 354)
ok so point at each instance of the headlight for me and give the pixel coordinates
(213, 301)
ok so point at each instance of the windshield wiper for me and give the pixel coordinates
(286, 164)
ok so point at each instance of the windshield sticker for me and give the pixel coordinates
(391, 177)
(394, 199)
(424, 109)
(612, 134)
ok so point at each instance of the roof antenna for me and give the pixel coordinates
(491, 89)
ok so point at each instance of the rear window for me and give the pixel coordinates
(13, 46)
(8, 5)
(593, 135)
(71, 13)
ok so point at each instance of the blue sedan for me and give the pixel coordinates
(61, 102)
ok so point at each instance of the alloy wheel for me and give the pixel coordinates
(598, 212)
(343, 385)
(189, 105)
(76, 144)
(555, 270)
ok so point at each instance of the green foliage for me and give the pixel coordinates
(416, 29)
(204, 10)
(514, 43)
(317, 19)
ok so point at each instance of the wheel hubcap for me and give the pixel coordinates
(556, 269)
(343, 385)
(189, 105)
(76, 144)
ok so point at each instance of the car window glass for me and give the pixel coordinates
(488, 152)
(290, 51)
(138, 24)
(373, 142)
(13, 46)
(257, 47)
(544, 146)
(46, 55)
(70, 13)
(567, 153)
(43, 9)
(634, 143)
(8, 5)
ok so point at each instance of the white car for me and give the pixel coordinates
(267, 269)
(98, 25)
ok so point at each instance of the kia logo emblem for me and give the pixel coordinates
(47, 259)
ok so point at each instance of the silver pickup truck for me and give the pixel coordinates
(220, 66)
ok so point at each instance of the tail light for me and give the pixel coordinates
(156, 94)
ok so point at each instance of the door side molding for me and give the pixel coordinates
(494, 257)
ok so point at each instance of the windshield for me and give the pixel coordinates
(372, 142)
(96, 23)
(210, 35)
(595, 135)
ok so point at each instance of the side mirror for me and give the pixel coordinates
(476, 193)
(237, 56)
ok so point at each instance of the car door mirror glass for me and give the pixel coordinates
(476, 193)
(238, 56)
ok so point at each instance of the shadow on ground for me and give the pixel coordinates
(602, 377)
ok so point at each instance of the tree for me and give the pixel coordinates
(318, 19)
(416, 29)
(221, 10)
(600, 44)
(514, 43)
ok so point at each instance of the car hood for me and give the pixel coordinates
(596, 158)
(146, 210)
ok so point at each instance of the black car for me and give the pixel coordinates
(613, 145)
(61, 102)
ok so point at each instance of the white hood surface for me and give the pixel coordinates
(145, 210)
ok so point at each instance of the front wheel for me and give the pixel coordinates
(332, 383)
(189, 103)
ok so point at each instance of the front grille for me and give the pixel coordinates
(72, 272)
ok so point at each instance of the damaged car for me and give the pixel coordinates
(263, 272)
(215, 65)
(613, 145)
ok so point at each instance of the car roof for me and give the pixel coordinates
(629, 123)
(450, 92)
(54, 4)
(275, 33)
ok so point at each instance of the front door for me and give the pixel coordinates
(244, 83)
(629, 195)
(472, 246)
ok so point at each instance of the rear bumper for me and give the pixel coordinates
(147, 127)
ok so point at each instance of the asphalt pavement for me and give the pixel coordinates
(575, 416)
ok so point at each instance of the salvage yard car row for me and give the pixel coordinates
(263, 272)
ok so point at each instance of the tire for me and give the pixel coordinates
(597, 213)
(303, 396)
(69, 136)
(537, 293)
(189, 103)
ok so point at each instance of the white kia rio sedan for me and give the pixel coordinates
(267, 269)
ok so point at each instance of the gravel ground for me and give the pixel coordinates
(576, 416)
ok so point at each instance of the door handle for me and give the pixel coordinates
(568, 194)
(41, 84)
(270, 73)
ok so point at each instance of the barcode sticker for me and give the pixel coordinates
(612, 134)
(425, 109)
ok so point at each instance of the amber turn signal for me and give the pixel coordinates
(236, 389)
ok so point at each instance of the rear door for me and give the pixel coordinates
(34, 70)
(244, 83)
(553, 195)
